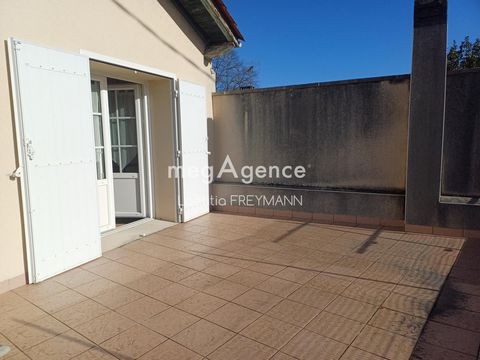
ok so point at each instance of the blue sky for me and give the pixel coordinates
(303, 41)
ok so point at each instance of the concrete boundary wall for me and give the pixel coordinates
(352, 138)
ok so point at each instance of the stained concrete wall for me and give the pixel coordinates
(352, 138)
(348, 135)
(461, 148)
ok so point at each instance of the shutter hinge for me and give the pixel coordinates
(180, 210)
(16, 45)
(179, 153)
(175, 94)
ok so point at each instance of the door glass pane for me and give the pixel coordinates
(100, 159)
(128, 131)
(98, 131)
(96, 96)
(129, 160)
(112, 103)
(126, 103)
(115, 160)
(114, 131)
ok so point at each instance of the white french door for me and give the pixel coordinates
(103, 154)
(125, 112)
(53, 112)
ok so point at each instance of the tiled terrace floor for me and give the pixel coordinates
(231, 287)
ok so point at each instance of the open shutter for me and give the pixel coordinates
(56, 143)
(194, 150)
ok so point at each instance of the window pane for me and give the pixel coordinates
(96, 108)
(98, 130)
(114, 131)
(112, 104)
(129, 160)
(126, 103)
(115, 160)
(128, 132)
(100, 158)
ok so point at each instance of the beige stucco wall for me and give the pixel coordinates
(147, 32)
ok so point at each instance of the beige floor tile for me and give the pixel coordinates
(142, 309)
(10, 301)
(384, 343)
(75, 277)
(97, 262)
(14, 351)
(408, 304)
(334, 284)
(96, 287)
(203, 337)
(241, 348)
(248, 278)
(174, 272)
(80, 313)
(133, 343)
(117, 272)
(200, 281)
(349, 267)
(171, 322)
(233, 317)
(32, 333)
(372, 292)
(61, 347)
(197, 263)
(293, 312)
(174, 293)
(104, 327)
(258, 300)
(307, 345)
(117, 296)
(201, 304)
(23, 314)
(222, 270)
(17, 356)
(357, 354)
(60, 301)
(170, 350)
(95, 353)
(398, 323)
(423, 294)
(335, 327)
(296, 275)
(312, 297)
(265, 268)
(384, 272)
(227, 290)
(270, 331)
(282, 356)
(143, 262)
(148, 284)
(278, 286)
(352, 309)
(36, 292)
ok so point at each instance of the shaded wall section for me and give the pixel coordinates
(461, 148)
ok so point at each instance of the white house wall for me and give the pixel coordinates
(147, 32)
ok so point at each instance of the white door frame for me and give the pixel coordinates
(107, 146)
